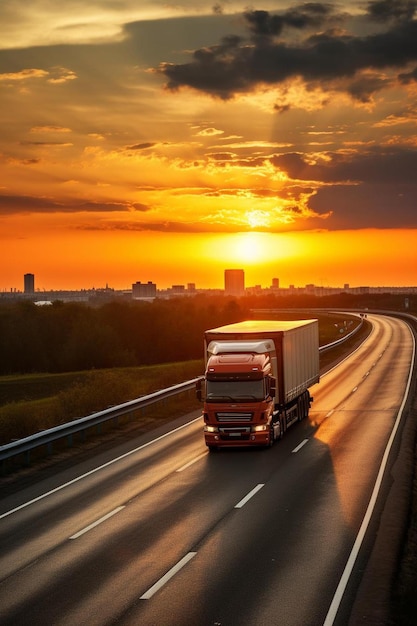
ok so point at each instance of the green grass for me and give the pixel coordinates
(45, 400)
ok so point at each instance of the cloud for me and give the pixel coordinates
(141, 146)
(265, 24)
(50, 129)
(395, 166)
(375, 189)
(15, 204)
(331, 56)
(385, 10)
(23, 75)
(55, 75)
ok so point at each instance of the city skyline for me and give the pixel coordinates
(145, 139)
(234, 284)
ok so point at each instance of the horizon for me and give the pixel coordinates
(167, 142)
(110, 287)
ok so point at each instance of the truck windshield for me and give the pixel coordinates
(235, 390)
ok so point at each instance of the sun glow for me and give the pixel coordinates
(255, 248)
(258, 219)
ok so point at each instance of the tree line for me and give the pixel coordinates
(68, 337)
(75, 336)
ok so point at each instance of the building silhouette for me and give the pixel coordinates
(29, 283)
(234, 282)
(144, 290)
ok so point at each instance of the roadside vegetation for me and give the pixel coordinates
(32, 400)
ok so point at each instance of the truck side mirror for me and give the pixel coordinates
(272, 387)
(198, 390)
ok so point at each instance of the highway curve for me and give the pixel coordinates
(159, 532)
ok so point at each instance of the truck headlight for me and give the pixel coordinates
(211, 429)
(259, 428)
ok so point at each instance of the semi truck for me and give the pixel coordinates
(257, 379)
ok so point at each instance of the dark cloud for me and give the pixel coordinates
(385, 10)
(265, 24)
(44, 143)
(238, 65)
(168, 227)
(377, 189)
(375, 205)
(141, 146)
(397, 166)
(14, 204)
(408, 77)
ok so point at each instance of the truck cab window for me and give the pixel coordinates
(235, 390)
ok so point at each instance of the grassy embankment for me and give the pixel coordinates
(31, 403)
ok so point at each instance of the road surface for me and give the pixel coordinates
(160, 532)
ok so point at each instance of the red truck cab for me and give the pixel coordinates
(239, 400)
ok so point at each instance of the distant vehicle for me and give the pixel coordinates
(256, 380)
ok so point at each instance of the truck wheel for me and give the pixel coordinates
(307, 400)
(281, 428)
(271, 437)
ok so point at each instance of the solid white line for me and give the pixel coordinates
(249, 496)
(337, 598)
(99, 521)
(161, 582)
(97, 469)
(300, 445)
(197, 458)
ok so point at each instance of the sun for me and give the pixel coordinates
(257, 218)
(252, 247)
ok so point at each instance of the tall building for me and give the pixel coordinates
(144, 290)
(234, 282)
(275, 283)
(29, 283)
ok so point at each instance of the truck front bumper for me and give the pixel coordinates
(237, 438)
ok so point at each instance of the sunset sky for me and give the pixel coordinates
(147, 140)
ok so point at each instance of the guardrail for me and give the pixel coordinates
(336, 343)
(49, 436)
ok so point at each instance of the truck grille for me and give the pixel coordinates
(234, 417)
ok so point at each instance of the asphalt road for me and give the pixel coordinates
(159, 532)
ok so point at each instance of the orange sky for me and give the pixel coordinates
(168, 144)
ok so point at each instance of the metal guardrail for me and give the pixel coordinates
(47, 437)
(336, 343)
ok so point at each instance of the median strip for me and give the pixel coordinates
(161, 582)
(99, 521)
(249, 496)
(300, 445)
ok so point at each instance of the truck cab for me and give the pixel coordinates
(239, 399)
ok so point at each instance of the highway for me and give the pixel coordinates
(160, 532)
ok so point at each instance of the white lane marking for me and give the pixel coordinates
(161, 582)
(329, 413)
(337, 598)
(99, 521)
(300, 445)
(249, 496)
(197, 458)
(96, 469)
